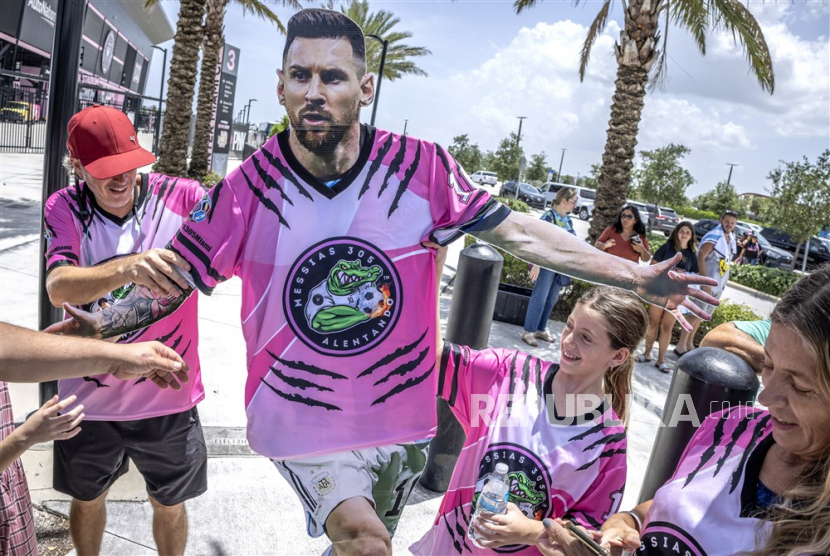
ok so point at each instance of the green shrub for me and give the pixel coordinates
(725, 312)
(515, 271)
(773, 281)
(689, 212)
(655, 241)
(210, 179)
(514, 204)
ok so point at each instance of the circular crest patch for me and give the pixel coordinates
(342, 297)
(529, 482)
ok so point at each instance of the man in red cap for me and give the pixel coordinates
(106, 234)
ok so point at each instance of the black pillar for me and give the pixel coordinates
(63, 101)
(706, 380)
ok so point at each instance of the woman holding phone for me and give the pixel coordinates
(626, 237)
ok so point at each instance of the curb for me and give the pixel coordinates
(756, 293)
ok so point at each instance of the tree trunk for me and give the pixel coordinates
(214, 41)
(635, 54)
(180, 87)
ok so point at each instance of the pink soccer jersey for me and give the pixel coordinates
(338, 298)
(80, 233)
(572, 468)
(708, 506)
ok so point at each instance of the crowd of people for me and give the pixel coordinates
(337, 231)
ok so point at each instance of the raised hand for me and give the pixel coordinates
(153, 360)
(660, 285)
(556, 540)
(82, 323)
(45, 424)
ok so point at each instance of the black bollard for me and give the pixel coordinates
(706, 380)
(471, 315)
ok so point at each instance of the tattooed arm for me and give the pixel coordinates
(139, 309)
(552, 247)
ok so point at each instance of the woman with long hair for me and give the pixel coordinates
(548, 283)
(626, 237)
(681, 240)
(754, 482)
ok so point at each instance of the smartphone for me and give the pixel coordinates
(636, 238)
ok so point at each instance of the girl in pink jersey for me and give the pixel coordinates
(754, 482)
(549, 422)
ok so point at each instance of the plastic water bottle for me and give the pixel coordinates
(493, 499)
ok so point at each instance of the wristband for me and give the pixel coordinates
(637, 520)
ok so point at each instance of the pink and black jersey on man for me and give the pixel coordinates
(80, 233)
(338, 298)
(709, 507)
(559, 468)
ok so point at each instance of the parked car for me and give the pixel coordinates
(661, 219)
(642, 208)
(770, 255)
(755, 227)
(485, 178)
(818, 252)
(527, 193)
(15, 111)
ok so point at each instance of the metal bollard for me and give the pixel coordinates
(711, 379)
(471, 315)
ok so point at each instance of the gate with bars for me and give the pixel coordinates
(22, 119)
(23, 110)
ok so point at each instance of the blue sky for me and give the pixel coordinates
(489, 65)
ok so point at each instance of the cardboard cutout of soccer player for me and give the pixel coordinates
(325, 224)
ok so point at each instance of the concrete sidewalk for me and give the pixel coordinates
(248, 508)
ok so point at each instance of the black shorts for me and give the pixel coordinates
(169, 452)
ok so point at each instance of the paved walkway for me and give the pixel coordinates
(249, 508)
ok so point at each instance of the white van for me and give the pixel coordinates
(584, 202)
(485, 178)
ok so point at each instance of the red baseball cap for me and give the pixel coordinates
(105, 142)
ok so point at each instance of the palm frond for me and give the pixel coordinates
(520, 5)
(731, 15)
(692, 15)
(259, 9)
(596, 29)
(660, 74)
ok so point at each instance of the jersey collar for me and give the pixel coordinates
(367, 141)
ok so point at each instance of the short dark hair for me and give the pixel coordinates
(317, 23)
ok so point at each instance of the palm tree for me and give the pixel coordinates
(212, 46)
(641, 50)
(381, 23)
(180, 86)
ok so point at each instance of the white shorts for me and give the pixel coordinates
(384, 476)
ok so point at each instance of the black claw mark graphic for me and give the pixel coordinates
(298, 382)
(605, 454)
(404, 386)
(97, 382)
(607, 440)
(405, 368)
(710, 451)
(588, 433)
(270, 182)
(301, 399)
(756, 434)
(266, 202)
(394, 166)
(300, 366)
(394, 355)
(286, 173)
(140, 380)
(375, 165)
(406, 179)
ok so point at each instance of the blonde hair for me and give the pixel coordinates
(801, 523)
(626, 322)
(563, 195)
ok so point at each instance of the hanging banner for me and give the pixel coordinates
(223, 119)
